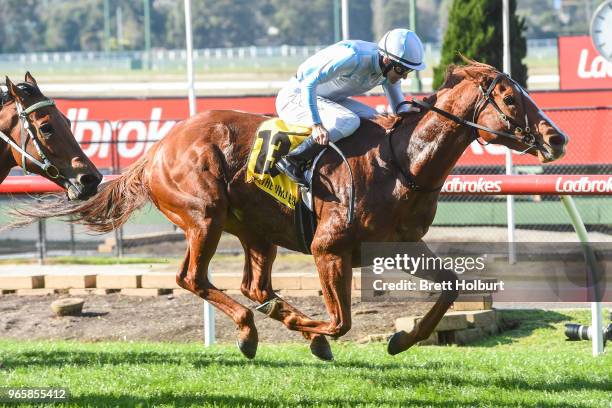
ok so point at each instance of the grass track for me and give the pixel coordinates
(532, 366)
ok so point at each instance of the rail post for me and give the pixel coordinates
(209, 319)
(596, 308)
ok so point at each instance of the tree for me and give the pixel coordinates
(216, 23)
(475, 30)
(20, 27)
(73, 26)
(304, 22)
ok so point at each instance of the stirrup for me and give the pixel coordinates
(285, 166)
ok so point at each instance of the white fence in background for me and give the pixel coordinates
(253, 57)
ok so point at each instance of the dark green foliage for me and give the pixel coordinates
(215, 24)
(20, 27)
(74, 26)
(312, 22)
(67, 25)
(304, 22)
(475, 30)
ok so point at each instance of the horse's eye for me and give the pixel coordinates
(46, 130)
(509, 100)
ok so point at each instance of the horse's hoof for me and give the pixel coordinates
(320, 348)
(270, 307)
(397, 343)
(247, 347)
(247, 343)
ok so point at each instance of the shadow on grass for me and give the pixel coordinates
(201, 399)
(463, 377)
(61, 358)
(522, 323)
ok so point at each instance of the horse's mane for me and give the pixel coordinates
(472, 70)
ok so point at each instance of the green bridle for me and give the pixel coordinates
(26, 133)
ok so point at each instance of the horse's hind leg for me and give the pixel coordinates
(194, 198)
(193, 276)
(257, 286)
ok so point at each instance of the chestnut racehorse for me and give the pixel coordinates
(196, 177)
(36, 136)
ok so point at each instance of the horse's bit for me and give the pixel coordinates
(26, 133)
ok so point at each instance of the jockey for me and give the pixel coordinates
(319, 95)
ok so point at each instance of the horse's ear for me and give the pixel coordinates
(485, 82)
(13, 90)
(466, 60)
(30, 79)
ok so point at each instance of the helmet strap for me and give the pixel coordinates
(385, 68)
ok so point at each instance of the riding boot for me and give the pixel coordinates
(292, 164)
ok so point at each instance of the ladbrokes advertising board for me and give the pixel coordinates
(135, 124)
(581, 66)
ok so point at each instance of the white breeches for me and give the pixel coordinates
(340, 118)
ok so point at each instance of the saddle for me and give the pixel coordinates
(274, 139)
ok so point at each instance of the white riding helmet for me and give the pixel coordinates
(403, 46)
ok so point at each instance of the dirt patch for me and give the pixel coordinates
(173, 318)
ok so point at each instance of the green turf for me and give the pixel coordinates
(594, 210)
(532, 366)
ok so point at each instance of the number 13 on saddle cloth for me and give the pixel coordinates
(273, 140)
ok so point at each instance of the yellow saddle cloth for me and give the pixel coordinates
(273, 140)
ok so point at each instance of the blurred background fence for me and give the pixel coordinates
(542, 57)
(252, 57)
(466, 218)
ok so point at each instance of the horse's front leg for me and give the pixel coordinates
(401, 340)
(335, 274)
(257, 286)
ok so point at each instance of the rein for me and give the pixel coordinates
(526, 135)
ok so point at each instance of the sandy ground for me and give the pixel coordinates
(179, 318)
(173, 318)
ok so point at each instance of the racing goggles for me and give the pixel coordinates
(401, 70)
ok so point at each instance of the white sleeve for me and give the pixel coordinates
(395, 95)
(343, 62)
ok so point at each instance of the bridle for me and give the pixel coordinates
(522, 134)
(26, 134)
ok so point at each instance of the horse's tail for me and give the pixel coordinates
(109, 209)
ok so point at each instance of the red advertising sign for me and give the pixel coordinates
(493, 184)
(581, 66)
(116, 132)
